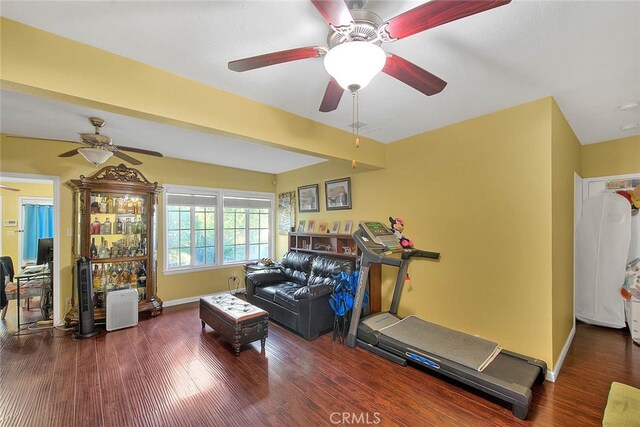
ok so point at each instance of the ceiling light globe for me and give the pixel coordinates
(354, 64)
(97, 156)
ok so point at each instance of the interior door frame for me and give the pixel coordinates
(1, 225)
(58, 319)
(26, 200)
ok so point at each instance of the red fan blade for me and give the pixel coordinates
(436, 12)
(126, 157)
(412, 75)
(334, 12)
(140, 150)
(69, 153)
(332, 96)
(276, 58)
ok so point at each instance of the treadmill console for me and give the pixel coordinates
(380, 234)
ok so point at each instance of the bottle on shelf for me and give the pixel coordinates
(103, 251)
(103, 205)
(128, 227)
(95, 226)
(106, 227)
(103, 277)
(110, 204)
(96, 277)
(139, 207)
(93, 249)
(119, 226)
(129, 205)
(142, 274)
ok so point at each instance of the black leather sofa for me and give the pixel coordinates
(297, 293)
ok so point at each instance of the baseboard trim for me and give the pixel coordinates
(553, 375)
(196, 298)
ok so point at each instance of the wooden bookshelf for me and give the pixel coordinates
(341, 245)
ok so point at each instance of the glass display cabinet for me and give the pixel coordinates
(115, 226)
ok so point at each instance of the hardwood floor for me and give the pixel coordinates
(169, 372)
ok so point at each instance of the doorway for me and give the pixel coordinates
(35, 221)
(11, 232)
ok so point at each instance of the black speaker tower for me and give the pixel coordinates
(84, 281)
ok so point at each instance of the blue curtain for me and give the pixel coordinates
(38, 224)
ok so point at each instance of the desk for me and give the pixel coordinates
(43, 281)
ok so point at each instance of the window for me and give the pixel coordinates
(200, 221)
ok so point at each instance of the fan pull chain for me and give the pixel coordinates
(356, 127)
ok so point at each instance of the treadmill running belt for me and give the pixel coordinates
(467, 350)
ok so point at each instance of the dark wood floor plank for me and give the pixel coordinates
(169, 371)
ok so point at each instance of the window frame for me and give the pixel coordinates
(220, 195)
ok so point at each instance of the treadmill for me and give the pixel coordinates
(505, 375)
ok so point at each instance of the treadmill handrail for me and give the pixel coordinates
(417, 253)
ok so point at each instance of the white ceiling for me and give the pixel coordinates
(586, 54)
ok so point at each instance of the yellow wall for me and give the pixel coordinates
(42, 159)
(480, 193)
(10, 211)
(565, 154)
(615, 157)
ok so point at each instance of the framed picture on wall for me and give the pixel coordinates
(335, 227)
(338, 194)
(308, 198)
(301, 226)
(323, 227)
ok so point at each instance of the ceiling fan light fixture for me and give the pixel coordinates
(94, 155)
(354, 64)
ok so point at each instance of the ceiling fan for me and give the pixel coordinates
(354, 55)
(97, 148)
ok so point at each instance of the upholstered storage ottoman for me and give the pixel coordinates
(236, 320)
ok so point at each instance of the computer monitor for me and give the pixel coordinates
(45, 250)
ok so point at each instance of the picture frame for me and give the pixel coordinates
(347, 227)
(311, 226)
(323, 227)
(286, 212)
(308, 198)
(302, 225)
(338, 194)
(335, 227)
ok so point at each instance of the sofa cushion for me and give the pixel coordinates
(324, 269)
(285, 297)
(269, 292)
(297, 266)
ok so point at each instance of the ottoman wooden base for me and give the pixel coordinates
(236, 320)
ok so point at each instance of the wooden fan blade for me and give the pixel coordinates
(6, 187)
(436, 12)
(45, 139)
(332, 96)
(412, 75)
(140, 150)
(69, 153)
(126, 157)
(334, 12)
(276, 58)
